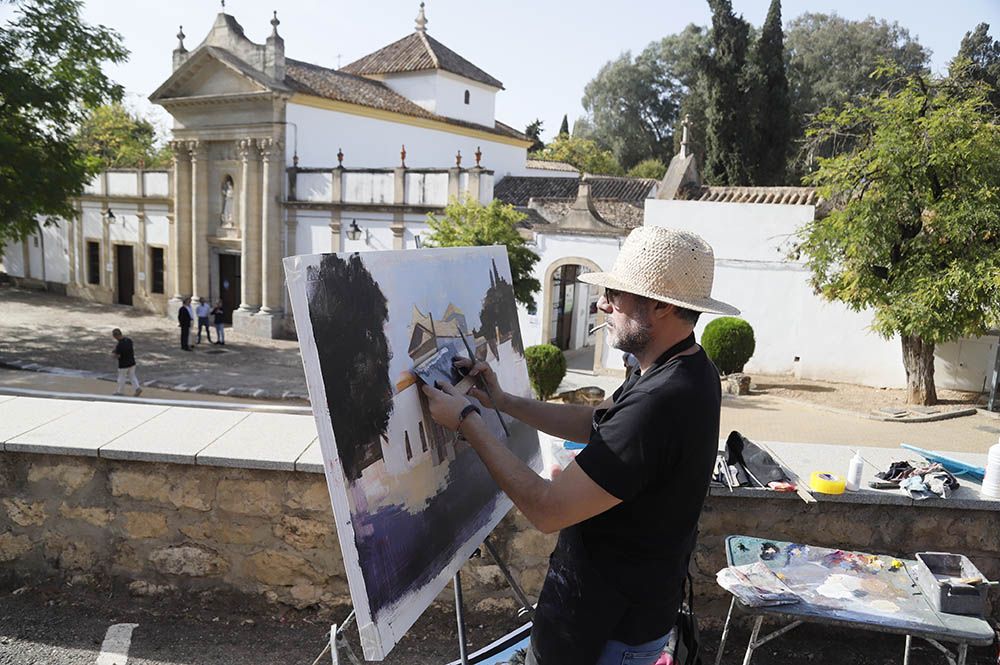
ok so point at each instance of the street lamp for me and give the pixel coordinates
(110, 215)
(354, 231)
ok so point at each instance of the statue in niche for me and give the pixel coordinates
(226, 216)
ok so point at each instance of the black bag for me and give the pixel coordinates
(756, 467)
(688, 651)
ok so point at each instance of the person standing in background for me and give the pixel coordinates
(125, 352)
(218, 314)
(184, 318)
(203, 312)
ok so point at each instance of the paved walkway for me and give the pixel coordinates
(42, 330)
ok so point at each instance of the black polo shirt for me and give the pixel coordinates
(618, 575)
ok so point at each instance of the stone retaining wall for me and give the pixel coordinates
(168, 526)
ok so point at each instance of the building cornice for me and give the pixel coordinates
(362, 207)
(391, 116)
(216, 100)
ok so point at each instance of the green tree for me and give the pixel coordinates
(915, 229)
(772, 120)
(120, 139)
(830, 61)
(534, 132)
(469, 224)
(564, 127)
(584, 154)
(633, 106)
(728, 130)
(50, 72)
(978, 59)
(648, 168)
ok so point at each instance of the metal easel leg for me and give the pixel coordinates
(725, 632)
(460, 618)
(753, 640)
(526, 608)
(906, 652)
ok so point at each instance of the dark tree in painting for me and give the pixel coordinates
(348, 311)
(499, 313)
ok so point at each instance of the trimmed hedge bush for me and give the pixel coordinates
(546, 369)
(729, 342)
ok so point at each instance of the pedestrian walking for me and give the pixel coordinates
(184, 318)
(125, 352)
(218, 314)
(203, 312)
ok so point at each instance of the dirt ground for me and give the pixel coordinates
(852, 397)
(48, 623)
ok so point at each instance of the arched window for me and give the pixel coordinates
(466, 96)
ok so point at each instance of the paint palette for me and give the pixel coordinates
(850, 588)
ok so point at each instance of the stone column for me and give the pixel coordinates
(271, 254)
(180, 237)
(250, 227)
(199, 219)
(335, 227)
(81, 247)
(475, 175)
(398, 228)
(454, 178)
(291, 227)
(143, 253)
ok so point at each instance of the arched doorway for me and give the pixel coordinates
(570, 311)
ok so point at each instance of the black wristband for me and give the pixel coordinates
(469, 408)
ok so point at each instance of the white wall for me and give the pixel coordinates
(12, 260)
(371, 143)
(443, 93)
(602, 250)
(797, 331)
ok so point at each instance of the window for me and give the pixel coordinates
(423, 437)
(93, 262)
(466, 96)
(156, 269)
(409, 450)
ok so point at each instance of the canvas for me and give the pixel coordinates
(411, 500)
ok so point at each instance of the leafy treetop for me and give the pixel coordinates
(50, 73)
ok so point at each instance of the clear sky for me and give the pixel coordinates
(544, 52)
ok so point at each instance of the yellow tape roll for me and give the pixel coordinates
(826, 483)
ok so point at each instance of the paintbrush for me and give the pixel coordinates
(596, 328)
(479, 382)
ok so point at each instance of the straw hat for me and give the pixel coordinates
(668, 265)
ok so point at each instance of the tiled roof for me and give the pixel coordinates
(418, 52)
(546, 165)
(781, 195)
(517, 190)
(339, 86)
(331, 84)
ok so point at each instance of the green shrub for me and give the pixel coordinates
(729, 342)
(546, 369)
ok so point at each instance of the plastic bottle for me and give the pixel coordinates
(854, 472)
(991, 482)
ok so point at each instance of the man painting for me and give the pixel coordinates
(627, 508)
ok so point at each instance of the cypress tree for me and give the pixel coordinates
(773, 114)
(728, 132)
(564, 127)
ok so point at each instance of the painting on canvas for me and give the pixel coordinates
(412, 500)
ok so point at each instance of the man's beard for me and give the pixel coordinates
(632, 339)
